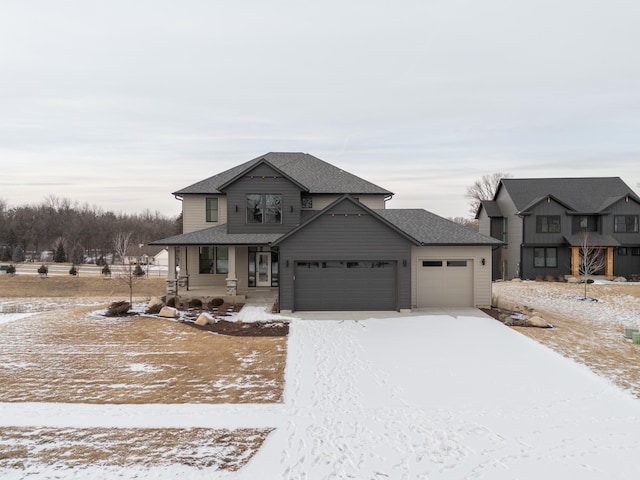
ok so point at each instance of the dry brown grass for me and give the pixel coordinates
(33, 286)
(23, 448)
(590, 333)
(72, 355)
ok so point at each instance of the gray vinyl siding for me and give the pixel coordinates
(262, 180)
(622, 208)
(625, 265)
(374, 202)
(345, 233)
(514, 237)
(547, 209)
(484, 223)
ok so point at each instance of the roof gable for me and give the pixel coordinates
(585, 195)
(548, 198)
(252, 168)
(354, 206)
(310, 173)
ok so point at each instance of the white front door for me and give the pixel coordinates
(263, 260)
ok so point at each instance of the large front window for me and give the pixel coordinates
(214, 259)
(548, 224)
(264, 208)
(626, 224)
(545, 257)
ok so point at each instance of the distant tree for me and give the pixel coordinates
(60, 256)
(77, 254)
(18, 254)
(483, 189)
(470, 223)
(591, 260)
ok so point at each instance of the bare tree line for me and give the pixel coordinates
(83, 231)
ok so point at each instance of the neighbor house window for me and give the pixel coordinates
(264, 208)
(635, 252)
(626, 223)
(504, 229)
(622, 251)
(545, 257)
(211, 208)
(213, 259)
(307, 201)
(548, 224)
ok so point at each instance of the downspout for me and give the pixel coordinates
(524, 236)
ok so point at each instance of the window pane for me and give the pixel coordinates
(273, 213)
(432, 263)
(206, 260)
(552, 257)
(538, 257)
(222, 260)
(212, 209)
(254, 208)
(456, 263)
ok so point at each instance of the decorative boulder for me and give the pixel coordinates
(620, 279)
(168, 312)
(154, 302)
(573, 280)
(204, 319)
(537, 321)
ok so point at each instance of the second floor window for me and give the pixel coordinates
(626, 223)
(264, 208)
(548, 224)
(211, 209)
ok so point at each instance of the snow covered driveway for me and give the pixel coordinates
(418, 397)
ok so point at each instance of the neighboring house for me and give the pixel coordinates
(147, 255)
(542, 222)
(322, 238)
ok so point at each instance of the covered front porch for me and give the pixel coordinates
(592, 254)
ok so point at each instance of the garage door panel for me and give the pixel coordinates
(445, 283)
(345, 285)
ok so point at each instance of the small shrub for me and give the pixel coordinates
(11, 270)
(106, 271)
(195, 303)
(138, 272)
(549, 278)
(73, 270)
(117, 309)
(43, 270)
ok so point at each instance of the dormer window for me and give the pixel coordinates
(264, 208)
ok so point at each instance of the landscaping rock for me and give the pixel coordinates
(537, 321)
(573, 280)
(620, 279)
(168, 312)
(204, 319)
(154, 303)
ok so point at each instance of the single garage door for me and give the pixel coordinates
(445, 283)
(345, 285)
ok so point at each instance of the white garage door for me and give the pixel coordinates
(445, 283)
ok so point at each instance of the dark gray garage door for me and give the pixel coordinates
(345, 285)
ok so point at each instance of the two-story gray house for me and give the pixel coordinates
(543, 222)
(322, 239)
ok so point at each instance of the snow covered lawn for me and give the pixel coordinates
(417, 397)
(590, 332)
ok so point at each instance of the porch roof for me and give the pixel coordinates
(594, 240)
(218, 236)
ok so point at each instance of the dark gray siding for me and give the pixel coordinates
(346, 232)
(622, 208)
(544, 208)
(529, 272)
(263, 179)
(626, 265)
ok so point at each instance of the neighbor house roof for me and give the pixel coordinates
(431, 229)
(491, 207)
(585, 195)
(316, 175)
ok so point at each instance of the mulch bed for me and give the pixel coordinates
(236, 329)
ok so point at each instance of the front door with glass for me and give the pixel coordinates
(263, 261)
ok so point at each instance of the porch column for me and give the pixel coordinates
(172, 280)
(575, 261)
(232, 279)
(608, 271)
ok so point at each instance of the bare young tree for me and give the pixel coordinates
(590, 261)
(483, 189)
(126, 273)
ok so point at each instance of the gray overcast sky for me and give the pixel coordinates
(119, 103)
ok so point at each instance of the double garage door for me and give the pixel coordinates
(444, 283)
(345, 285)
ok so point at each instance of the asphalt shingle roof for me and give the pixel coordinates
(492, 208)
(316, 175)
(431, 229)
(218, 236)
(585, 195)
